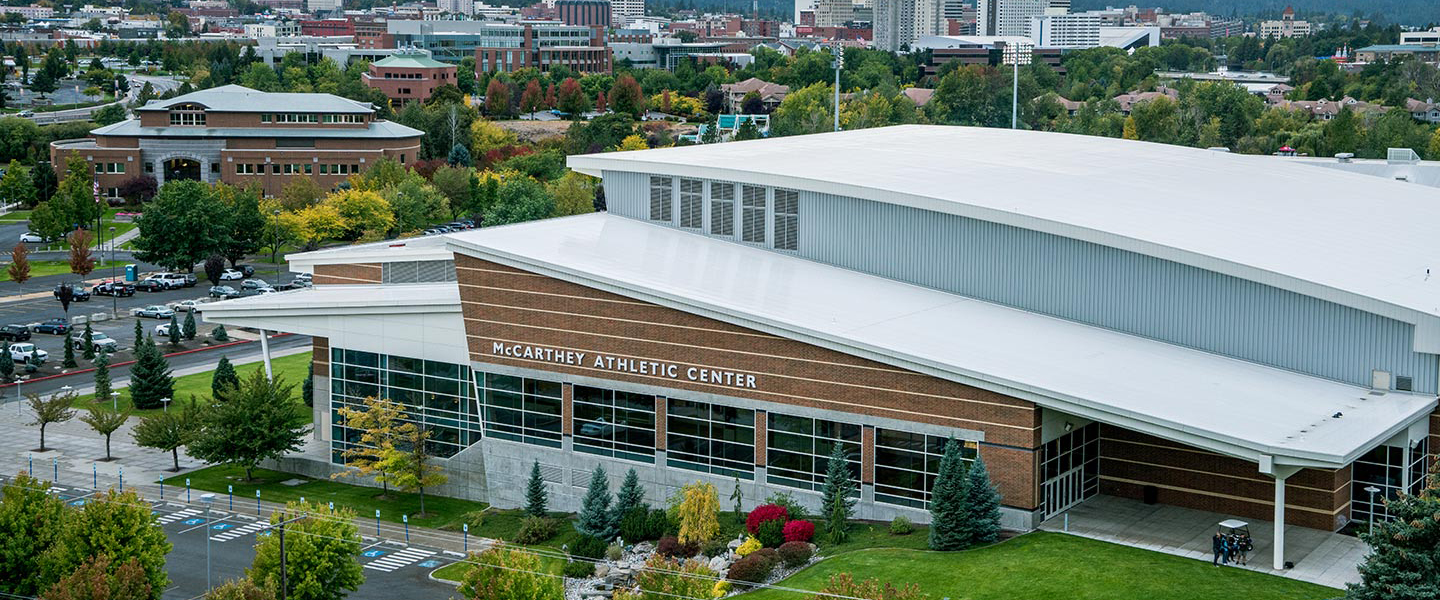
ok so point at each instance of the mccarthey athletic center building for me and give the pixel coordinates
(1245, 335)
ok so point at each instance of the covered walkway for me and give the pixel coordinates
(1320, 557)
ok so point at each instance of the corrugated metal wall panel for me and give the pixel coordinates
(1093, 284)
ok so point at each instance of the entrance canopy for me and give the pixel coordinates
(1205, 400)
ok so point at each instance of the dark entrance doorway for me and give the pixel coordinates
(182, 168)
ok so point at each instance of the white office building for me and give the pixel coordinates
(624, 11)
(1057, 29)
(899, 23)
(834, 13)
(315, 6)
(1012, 17)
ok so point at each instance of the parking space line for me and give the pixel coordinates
(239, 531)
(176, 516)
(201, 525)
(401, 558)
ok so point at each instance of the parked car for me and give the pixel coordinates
(25, 113)
(252, 292)
(186, 305)
(231, 275)
(224, 292)
(113, 288)
(155, 311)
(150, 285)
(53, 327)
(101, 341)
(248, 270)
(78, 293)
(162, 330)
(15, 333)
(254, 284)
(295, 285)
(190, 279)
(31, 237)
(26, 351)
(433, 231)
(172, 281)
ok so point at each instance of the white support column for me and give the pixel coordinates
(1280, 473)
(265, 352)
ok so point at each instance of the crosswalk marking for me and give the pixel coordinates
(399, 559)
(231, 534)
(176, 516)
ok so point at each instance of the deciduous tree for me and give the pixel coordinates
(98, 579)
(31, 521)
(258, 421)
(167, 431)
(19, 268)
(698, 513)
(377, 424)
(572, 100)
(626, 96)
(409, 465)
(55, 409)
(574, 194)
(183, 225)
(105, 421)
(114, 524)
(361, 213)
(532, 98)
(17, 185)
(321, 551)
(497, 98)
(502, 573)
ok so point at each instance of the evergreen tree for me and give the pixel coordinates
(536, 498)
(747, 131)
(139, 336)
(7, 368)
(1404, 558)
(224, 378)
(712, 132)
(88, 342)
(150, 379)
(175, 334)
(459, 156)
(982, 505)
(189, 327)
(69, 362)
(631, 497)
(837, 501)
(218, 334)
(307, 388)
(102, 376)
(595, 518)
(947, 502)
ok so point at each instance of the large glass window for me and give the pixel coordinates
(434, 395)
(711, 438)
(797, 452)
(906, 465)
(1385, 468)
(188, 115)
(616, 424)
(752, 217)
(692, 203)
(660, 192)
(521, 409)
(722, 209)
(787, 219)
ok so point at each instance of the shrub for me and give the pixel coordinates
(534, 530)
(658, 525)
(579, 569)
(614, 552)
(474, 518)
(769, 554)
(792, 506)
(634, 525)
(501, 573)
(795, 554)
(714, 548)
(764, 513)
(750, 545)
(668, 579)
(589, 546)
(754, 568)
(670, 546)
(842, 585)
(799, 531)
(901, 526)
(771, 533)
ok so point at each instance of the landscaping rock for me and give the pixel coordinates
(719, 564)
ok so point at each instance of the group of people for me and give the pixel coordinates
(1231, 547)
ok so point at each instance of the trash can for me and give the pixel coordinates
(130, 273)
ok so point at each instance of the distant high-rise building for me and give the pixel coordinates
(322, 5)
(624, 11)
(898, 23)
(1286, 27)
(1012, 17)
(1057, 29)
(834, 13)
(464, 7)
(584, 12)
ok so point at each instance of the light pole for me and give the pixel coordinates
(1018, 53)
(208, 499)
(165, 404)
(1372, 490)
(114, 294)
(275, 241)
(115, 401)
(839, 64)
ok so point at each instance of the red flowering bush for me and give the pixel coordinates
(763, 513)
(799, 531)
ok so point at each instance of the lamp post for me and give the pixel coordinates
(114, 294)
(165, 404)
(275, 241)
(839, 64)
(1372, 490)
(115, 401)
(208, 499)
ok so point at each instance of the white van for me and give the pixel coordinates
(173, 281)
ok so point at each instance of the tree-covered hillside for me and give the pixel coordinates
(1404, 12)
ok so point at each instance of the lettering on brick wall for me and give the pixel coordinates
(620, 364)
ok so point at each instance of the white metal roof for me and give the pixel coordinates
(1352, 239)
(1226, 405)
(346, 299)
(238, 98)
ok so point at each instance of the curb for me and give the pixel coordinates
(131, 362)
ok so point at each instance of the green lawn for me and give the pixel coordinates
(1044, 565)
(16, 216)
(38, 268)
(197, 385)
(364, 501)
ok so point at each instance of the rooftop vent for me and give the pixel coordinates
(1345, 157)
(1402, 156)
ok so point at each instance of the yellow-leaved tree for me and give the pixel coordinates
(633, 142)
(363, 213)
(698, 513)
(378, 422)
(313, 224)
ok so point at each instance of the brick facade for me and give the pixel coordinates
(511, 306)
(320, 356)
(347, 274)
(1195, 478)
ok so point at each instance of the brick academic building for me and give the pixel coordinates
(1233, 345)
(242, 137)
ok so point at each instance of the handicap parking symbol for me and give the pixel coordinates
(193, 521)
(430, 563)
(372, 553)
(222, 526)
(77, 503)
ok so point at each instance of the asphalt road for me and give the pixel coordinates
(392, 569)
(160, 84)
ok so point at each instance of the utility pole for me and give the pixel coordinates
(284, 583)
